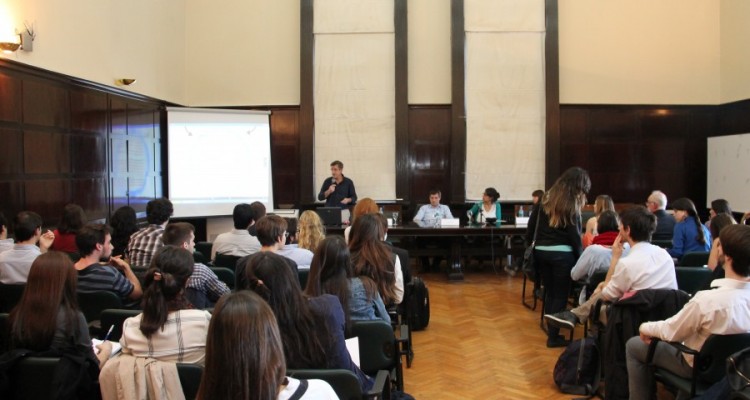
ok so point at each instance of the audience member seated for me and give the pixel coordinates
(206, 286)
(689, 234)
(47, 320)
(489, 207)
(657, 204)
(272, 235)
(259, 211)
(73, 218)
(144, 243)
(536, 196)
(94, 243)
(237, 242)
(373, 259)
(167, 329)
(598, 256)
(244, 334)
(725, 310)
(601, 204)
(5, 243)
(291, 250)
(312, 330)
(16, 262)
(363, 206)
(646, 266)
(719, 207)
(123, 223)
(715, 262)
(401, 254)
(331, 273)
(311, 230)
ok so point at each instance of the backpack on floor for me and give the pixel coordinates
(578, 370)
(418, 305)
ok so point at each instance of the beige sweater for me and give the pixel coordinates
(139, 378)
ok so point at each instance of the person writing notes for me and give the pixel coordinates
(339, 190)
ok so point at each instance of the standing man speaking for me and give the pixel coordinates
(339, 190)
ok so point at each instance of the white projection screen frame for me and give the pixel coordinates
(729, 171)
(218, 158)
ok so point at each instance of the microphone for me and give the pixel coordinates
(333, 181)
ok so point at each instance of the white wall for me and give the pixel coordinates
(640, 52)
(735, 52)
(103, 40)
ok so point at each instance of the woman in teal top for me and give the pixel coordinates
(489, 207)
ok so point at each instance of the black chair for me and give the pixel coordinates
(4, 332)
(10, 295)
(32, 378)
(303, 273)
(190, 379)
(225, 275)
(204, 248)
(226, 261)
(93, 303)
(378, 349)
(691, 279)
(664, 244)
(199, 258)
(345, 383)
(115, 317)
(709, 364)
(694, 259)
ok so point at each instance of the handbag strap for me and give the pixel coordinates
(536, 226)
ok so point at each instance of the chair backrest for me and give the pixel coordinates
(225, 275)
(32, 377)
(664, 244)
(190, 379)
(226, 261)
(377, 346)
(694, 259)
(93, 303)
(204, 248)
(303, 274)
(4, 332)
(691, 279)
(115, 317)
(711, 361)
(10, 295)
(343, 381)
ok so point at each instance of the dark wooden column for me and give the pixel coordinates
(552, 91)
(307, 113)
(403, 165)
(458, 104)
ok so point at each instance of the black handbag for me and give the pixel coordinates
(738, 370)
(528, 255)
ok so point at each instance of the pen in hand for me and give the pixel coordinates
(109, 332)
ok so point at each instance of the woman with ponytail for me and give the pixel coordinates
(167, 329)
(689, 233)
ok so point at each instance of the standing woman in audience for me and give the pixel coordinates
(602, 203)
(689, 234)
(245, 336)
(168, 329)
(363, 206)
(47, 316)
(372, 258)
(73, 218)
(124, 223)
(331, 273)
(312, 330)
(311, 230)
(489, 207)
(558, 240)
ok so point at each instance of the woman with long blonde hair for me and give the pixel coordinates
(601, 204)
(311, 230)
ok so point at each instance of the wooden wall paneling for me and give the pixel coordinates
(553, 141)
(429, 151)
(457, 192)
(734, 118)
(91, 195)
(403, 165)
(47, 197)
(12, 199)
(88, 111)
(143, 154)
(46, 152)
(10, 98)
(285, 151)
(306, 113)
(11, 152)
(45, 103)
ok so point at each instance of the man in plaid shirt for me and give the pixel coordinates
(144, 243)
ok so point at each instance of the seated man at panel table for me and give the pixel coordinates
(203, 287)
(94, 243)
(16, 262)
(646, 266)
(723, 311)
(144, 243)
(429, 215)
(291, 250)
(238, 242)
(272, 235)
(657, 204)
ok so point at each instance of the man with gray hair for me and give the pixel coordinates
(657, 204)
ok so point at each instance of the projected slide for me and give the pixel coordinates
(218, 159)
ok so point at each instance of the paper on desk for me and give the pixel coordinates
(352, 344)
(116, 346)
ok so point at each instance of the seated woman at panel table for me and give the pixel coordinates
(689, 234)
(168, 329)
(489, 207)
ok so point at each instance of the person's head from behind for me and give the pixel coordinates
(94, 239)
(3, 227)
(27, 226)
(490, 195)
(371, 258)
(603, 203)
(563, 202)
(331, 267)
(337, 169)
(718, 207)
(366, 228)
(51, 287)
(243, 216)
(735, 247)
(311, 230)
(435, 197)
(536, 196)
(158, 211)
(73, 218)
(291, 230)
(364, 206)
(271, 230)
(719, 222)
(638, 224)
(165, 282)
(124, 221)
(243, 333)
(683, 208)
(608, 221)
(179, 234)
(259, 210)
(657, 200)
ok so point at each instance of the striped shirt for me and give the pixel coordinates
(143, 245)
(206, 281)
(182, 338)
(97, 278)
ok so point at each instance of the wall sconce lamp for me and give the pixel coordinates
(25, 42)
(125, 81)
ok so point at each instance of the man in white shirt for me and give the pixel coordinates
(16, 262)
(646, 267)
(723, 311)
(291, 250)
(237, 242)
